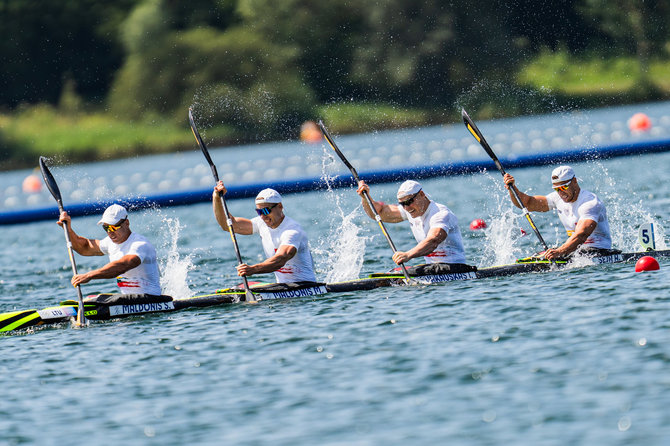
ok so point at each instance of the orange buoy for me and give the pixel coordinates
(647, 263)
(639, 122)
(477, 224)
(309, 132)
(32, 184)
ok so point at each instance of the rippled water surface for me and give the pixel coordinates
(576, 356)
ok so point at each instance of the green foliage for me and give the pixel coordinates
(43, 43)
(243, 80)
(570, 75)
(256, 69)
(44, 130)
(362, 117)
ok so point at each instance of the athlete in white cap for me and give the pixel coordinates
(434, 226)
(132, 259)
(582, 213)
(284, 242)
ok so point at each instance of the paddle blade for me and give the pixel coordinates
(332, 144)
(201, 144)
(50, 181)
(249, 297)
(472, 128)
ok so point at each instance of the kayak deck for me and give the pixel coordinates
(18, 320)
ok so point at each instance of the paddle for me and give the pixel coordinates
(50, 181)
(367, 195)
(480, 138)
(248, 295)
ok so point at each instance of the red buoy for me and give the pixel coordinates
(646, 263)
(31, 184)
(477, 223)
(639, 122)
(309, 132)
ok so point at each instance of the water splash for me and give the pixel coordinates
(344, 248)
(502, 234)
(625, 212)
(501, 242)
(174, 268)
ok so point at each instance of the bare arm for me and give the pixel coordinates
(109, 271)
(534, 203)
(389, 213)
(82, 245)
(425, 247)
(582, 232)
(240, 225)
(282, 255)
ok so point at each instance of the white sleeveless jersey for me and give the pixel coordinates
(587, 207)
(144, 278)
(438, 216)
(289, 232)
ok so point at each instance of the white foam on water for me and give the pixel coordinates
(174, 268)
(503, 232)
(343, 249)
(626, 211)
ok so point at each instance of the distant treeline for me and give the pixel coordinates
(262, 67)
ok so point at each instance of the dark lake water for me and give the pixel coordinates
(577, 356)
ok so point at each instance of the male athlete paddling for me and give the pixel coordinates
(132, 258)
(284, 242)
(582, 213)
(434, 226)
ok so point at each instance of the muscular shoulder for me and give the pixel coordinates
(553, 199)
(442, 215)
(589, 204)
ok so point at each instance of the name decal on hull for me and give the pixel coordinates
(119, 310)
(295, 293)
(616, 258)
(435, 278)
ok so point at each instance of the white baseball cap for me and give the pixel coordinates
(113, 214)
(562, 174)
(409, 187)
(268, 196)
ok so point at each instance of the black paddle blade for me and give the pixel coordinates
(201, 144)
(50, 181)
(472, 128)
(332, 144)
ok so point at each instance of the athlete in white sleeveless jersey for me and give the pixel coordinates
(132, 258)
(434, 226)
(284, 242)
(582, 213)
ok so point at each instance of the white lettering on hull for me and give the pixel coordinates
(616, 258)
(120, 310)
(436, 278)
(294, 293)
(57, 312)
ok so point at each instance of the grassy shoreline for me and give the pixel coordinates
(557, 79)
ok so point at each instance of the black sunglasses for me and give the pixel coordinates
(266, 211)
(409, 201)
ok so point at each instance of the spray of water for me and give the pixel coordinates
(174, 268)
(625, 212)
(344, 246)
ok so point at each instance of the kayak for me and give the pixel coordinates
(113, 306)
